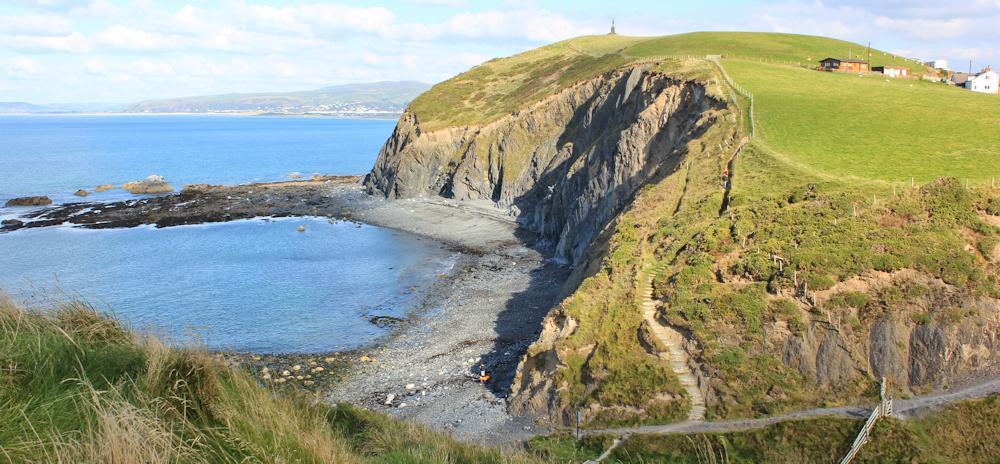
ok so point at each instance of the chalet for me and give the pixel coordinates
(987, 81)
(893, 71)
(847, 65)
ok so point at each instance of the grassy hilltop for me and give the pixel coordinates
(834, 124)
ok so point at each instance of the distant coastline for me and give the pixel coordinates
(390, 116)
(379, 100)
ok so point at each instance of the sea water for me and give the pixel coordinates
(255, 285)
(58, 155)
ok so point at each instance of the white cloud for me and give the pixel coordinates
(54, 4)
(127, 38)
(448, 3)
(161, 48)
(72, 43)
(35, 25)
(149, 67)
(531, 23)
(928, 29)
(96, 66)
(925, 9)
(20, 67)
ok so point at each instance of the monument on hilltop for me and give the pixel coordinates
(612, 27)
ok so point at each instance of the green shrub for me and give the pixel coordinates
(819, 281)
(987, 245)
(850, 299)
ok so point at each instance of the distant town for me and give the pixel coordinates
(985, 81)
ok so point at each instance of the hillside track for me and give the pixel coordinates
(901, 409)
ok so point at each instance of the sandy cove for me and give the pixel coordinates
(485, 312)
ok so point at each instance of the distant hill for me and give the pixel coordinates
(57, 108)
(22, 107)
(365, 98)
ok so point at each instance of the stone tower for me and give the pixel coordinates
(612, 27)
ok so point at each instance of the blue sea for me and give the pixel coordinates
(255, 285)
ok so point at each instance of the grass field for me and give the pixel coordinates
(872, 128)
(789, 48)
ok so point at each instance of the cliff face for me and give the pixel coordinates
(921, 343)
(565, 166)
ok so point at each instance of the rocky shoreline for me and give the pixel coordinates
(482, 315)
(196, 204)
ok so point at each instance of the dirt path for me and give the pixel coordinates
(675, 354)
(730, 173)
(900, 409)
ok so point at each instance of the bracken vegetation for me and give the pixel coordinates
(77, 387)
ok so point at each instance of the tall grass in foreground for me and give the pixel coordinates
(77, 387)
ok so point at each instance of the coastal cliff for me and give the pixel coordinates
(786, 287)
(565, 166)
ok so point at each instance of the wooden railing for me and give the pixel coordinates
(882, 410)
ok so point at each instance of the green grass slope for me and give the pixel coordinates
(76, 387)
(789, 48)
(872, 128)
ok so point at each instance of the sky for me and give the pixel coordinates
(129, 50)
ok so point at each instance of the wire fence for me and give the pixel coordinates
(739, 89)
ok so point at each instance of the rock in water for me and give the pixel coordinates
(11, 224)
(81, 193)
(384, 321)
(29, 201)
(103, 187)
(152, 184)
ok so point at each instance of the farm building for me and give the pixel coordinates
(848, 65)
(893, 71)
(937, 64)
(987, 81)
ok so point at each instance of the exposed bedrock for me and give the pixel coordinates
(565, 166)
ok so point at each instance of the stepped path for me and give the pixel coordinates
(675, 354)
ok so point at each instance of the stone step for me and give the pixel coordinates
(674, 354)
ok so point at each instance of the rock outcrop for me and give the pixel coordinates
(565, 166)
(924, 343)
(151, 185)
(29, 201)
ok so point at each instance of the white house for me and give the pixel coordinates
(937, 64)
(987, 81)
